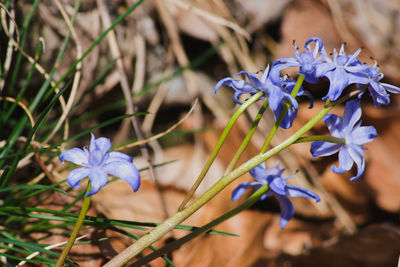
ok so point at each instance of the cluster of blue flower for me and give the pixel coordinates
(341, 71)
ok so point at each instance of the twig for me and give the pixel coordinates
(140, 66)
(211, 17)
(77, 76)
(31, 256)
(153, 108)
(10, 32)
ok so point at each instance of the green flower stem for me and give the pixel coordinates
(296, 89)
(170, 223)
(322, 138)
(246, 140)
(218, 146)
(75, 232)
(177, 243)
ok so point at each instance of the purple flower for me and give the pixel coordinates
(308, 60)
(98, 163)
(271, 87)
(354, 135)
(277, 188)
(342, 71)
(377, 90)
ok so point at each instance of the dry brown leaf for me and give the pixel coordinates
(213, 250)
(383, 166)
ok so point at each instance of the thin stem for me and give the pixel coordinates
(271, 134)
(247, 139)
(322, 138)
(75, 232)
(180, 216)
(218, 146)
(177, 243)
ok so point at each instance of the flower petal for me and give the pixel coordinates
(279, 65)
(278, 185)
(345, 161)
(117, 156)
(322, 68)
(75, 176)
(258, 172)
(126, 171)
(102, 143)
(379, 99)
(338, 80)
(352, 114)
(98, 179)
(334, 124)
(274, 171)
(363, 135)
(319, 46)
(295, 191)
(311, 77)
(241, 188)
(76, 156)
(391, 88)
(357, 155)
(321, 149)
(253, 79)
(287, 210)
(275, 97)
(290, 115)
(236, 96)
(238, 85)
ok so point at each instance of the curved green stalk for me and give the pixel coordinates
(75, 232)
(179, 242)
(218, 146)
(271, 134)
(246, 140)
(180, 216)
(322, 138)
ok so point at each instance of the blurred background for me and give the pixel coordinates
(171, 52)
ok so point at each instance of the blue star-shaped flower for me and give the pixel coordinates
(98, 164)
(342, 71)
(377, 89)
(277, 188)
(271, 87)
(354, 136)
(308, 60)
